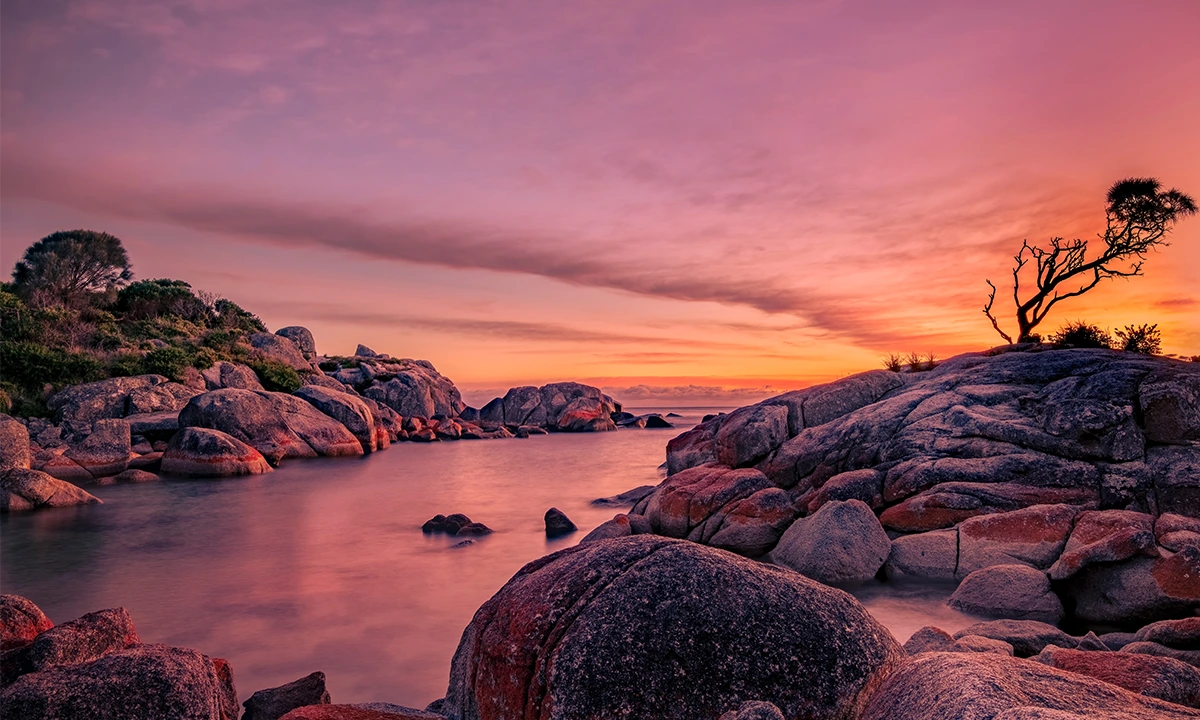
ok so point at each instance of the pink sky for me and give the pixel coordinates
(675, 199)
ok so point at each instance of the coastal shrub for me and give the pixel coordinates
(72, 268)
(31, 366)
(125, 364)
(276, 376)
(892, 362)
(204, 358)
(1144, 339)
(147, 299)
(1080, 334)
(231, 316)
(168, 361)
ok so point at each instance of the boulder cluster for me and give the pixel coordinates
(222, 422)
(1053, 484)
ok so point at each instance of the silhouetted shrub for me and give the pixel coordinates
(1079, 334)
(276, 376)
(892, 362)
(1144, 339)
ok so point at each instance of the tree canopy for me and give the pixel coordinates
(1139, 215)
(70, 268)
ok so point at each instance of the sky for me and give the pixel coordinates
(686, 202)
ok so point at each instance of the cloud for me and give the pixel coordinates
(690, 395)
(1177, 303)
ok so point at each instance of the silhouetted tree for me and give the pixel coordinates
(70, 267)
(1139, 216)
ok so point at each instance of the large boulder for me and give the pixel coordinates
(78, 641)
(981, 686)
(351, 411)
(932, 555)
(559, 398)
(302, 338)
(14, 444)
(105, 451)
(585, 414)
(276, 424)
(842, 542)
(1170, 403)
(274, 703)
(1033, 536)
(1138, 590)
(650, 627)
(22, 489)
(201, 452)
(78, 406)
(20, 622)
(141, 682)
(523, 406)
(1158, 677)
(231, 375)
(277, 348)
(1106, 536)
(750, 434)
(1017, 592)
(754, 525)
(694, 504)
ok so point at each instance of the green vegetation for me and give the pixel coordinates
(71, 316)
(276, 376)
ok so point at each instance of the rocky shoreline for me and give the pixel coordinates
(1059, 488)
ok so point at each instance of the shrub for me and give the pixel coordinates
(1079, 334)
(126, 365)
(169, 361)
(204, 358)
(1144, 339)
(31, 366)
(147, 299)
(892, 362)
(276, 376)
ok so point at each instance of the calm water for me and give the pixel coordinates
(321, 565)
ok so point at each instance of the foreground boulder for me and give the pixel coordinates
(351, 411)
(1158, 677)
(274, 703)
(22, 489)
(20, 622)
(649, 627)
(978, 686)
(201, 452)
(1017, 592)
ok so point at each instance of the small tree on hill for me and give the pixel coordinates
(1139, 216)
(70, 268)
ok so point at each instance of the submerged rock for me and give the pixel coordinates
(651, 627)
(558, 524)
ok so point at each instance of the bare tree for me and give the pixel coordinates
(1139, 216)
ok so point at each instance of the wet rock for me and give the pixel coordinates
(651, 627)
(1016, 592)
(627, 498)
(1105, 536)
(961, 686)
(201, 452)
(302, 338)
(1033, 536)
(105, 451)
(22, 489)
(20, 622)
(1027, 637)
(129, 477)
(558, 524)
(931, 555)
(142, 682)
(1138, 590)
(14, 444)
(224, 374)
(274, 703)
(930, 639)
(842, 542)
(1157, 677)
(446, 523)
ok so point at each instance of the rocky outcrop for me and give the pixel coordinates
(231, 375)
(352, 412)
(22, 489)
(76, 408)
(20, 622)
(974, 686)
(280, 349)
(201, 452)
(274, 703)
(842, 542)
(302, 338)
(97, 667)
(561, 407)
(14, 444)
(652, 627)
(1138, 590)
(105, 450)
